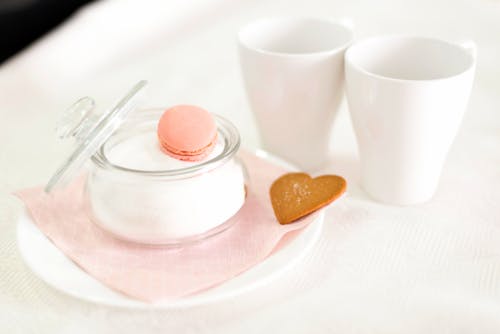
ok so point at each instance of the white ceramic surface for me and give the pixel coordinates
(48, 263)
(406, 97)
(293, 70)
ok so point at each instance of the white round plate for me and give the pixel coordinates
(52, 266)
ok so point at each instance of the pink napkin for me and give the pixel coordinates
(156, 273)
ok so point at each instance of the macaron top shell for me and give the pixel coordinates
(187, 130)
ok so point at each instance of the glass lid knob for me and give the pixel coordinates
(91, 130)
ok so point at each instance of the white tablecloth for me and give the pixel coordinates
(432, 268)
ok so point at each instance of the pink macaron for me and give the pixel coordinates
(187, 132)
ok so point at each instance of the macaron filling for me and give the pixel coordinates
(196, 155)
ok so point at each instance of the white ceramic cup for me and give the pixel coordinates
(293, 70)
(406, 96)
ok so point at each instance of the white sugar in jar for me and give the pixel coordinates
(138, 193)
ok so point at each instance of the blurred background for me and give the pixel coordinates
(23, 21)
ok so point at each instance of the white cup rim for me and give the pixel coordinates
(345, 24)
(362, 43)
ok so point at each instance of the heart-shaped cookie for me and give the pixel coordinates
(296, 195)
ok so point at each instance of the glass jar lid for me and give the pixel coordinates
(91, 130)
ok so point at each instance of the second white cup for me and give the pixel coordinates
(293, 70)
(406, 97)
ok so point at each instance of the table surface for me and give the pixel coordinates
(432, 268)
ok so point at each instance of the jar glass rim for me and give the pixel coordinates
(227, 133)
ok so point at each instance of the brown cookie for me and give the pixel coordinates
(295, 195)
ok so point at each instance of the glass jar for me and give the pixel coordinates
(147, 204)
